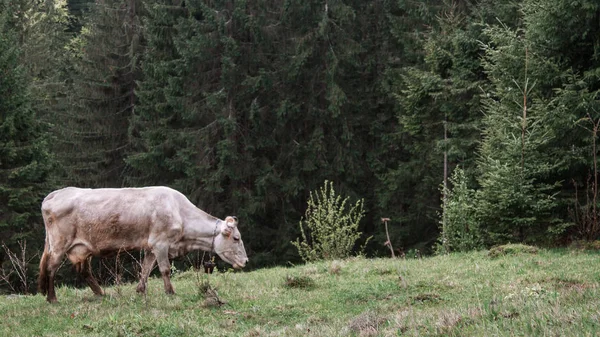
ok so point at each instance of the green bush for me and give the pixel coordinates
(459, 226)
(329, 229)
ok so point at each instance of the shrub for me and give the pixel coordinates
(459, 227)
(329, 229)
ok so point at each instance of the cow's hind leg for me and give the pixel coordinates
(147, 266)
(43, 277)
(162, 257)
(54, 261)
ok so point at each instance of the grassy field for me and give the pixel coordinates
(548, 293)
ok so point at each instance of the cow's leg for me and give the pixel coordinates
(53, 263)
(147, 266)
(162, 257)
(86, 273)
(80, 256)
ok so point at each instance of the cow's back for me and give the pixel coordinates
(105, 220)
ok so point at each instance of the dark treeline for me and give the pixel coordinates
(247, 106)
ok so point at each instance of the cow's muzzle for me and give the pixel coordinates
(240, 264)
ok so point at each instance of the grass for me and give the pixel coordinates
(550, 293)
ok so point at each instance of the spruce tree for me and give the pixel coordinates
(161, 91)
(24, 157)
(566, 36)
(252, 108)
(434, 82)
(515, 201)
(93, 134)
(41, 29)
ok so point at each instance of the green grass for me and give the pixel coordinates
(550, 293)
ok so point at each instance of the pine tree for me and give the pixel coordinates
(566, 36)
(515, 201)
(435, 87)
(24, 157)
(93, 134)
(41, 29)
(160, 93)
(251, 107)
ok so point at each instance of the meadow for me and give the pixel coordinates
(543, 293)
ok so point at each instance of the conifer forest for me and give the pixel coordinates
(468, 123)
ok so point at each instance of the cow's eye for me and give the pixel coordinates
(236, 239)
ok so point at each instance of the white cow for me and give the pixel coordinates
(82, 223)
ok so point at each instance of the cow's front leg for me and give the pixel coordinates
(162, 257)
(147, 266)
(86, 273)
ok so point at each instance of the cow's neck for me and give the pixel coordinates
(200, 230)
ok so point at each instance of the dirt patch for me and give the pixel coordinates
(426, 298)
(301, 282)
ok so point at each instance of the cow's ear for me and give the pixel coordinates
(230, 224)
(231, 221)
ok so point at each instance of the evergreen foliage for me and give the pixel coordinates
(41, 30)
(158, 116)
(24, 155)
(246, 110)
(248, 106)
(93, 133)
(459, 231)
(514, 200)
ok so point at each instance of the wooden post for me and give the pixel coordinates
(387, 234)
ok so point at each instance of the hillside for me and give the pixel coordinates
(553, 292)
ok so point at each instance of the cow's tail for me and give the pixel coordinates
(43, 278)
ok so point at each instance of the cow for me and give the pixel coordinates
(81, 223)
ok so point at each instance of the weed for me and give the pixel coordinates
(335, 268)
(210, 294)
(19, 262)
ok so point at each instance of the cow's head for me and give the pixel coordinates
(229, 244)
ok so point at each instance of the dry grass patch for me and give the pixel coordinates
(335, 268)
(585, 245)
(447, 321)
(367, 324)
(512, 249)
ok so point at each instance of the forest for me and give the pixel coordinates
(468, 123)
